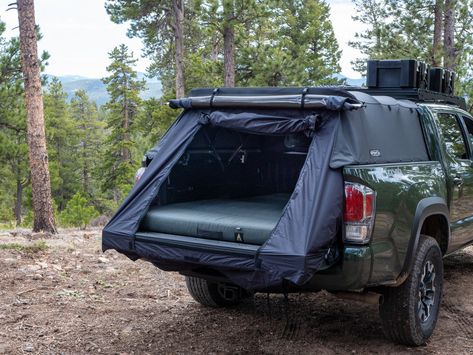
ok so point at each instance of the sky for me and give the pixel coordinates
(78, 34)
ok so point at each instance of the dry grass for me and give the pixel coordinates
(36, 247)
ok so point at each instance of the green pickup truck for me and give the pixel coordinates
(358, 191)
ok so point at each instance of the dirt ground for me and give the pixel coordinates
(71, 299)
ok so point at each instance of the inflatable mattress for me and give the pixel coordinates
(246, 220)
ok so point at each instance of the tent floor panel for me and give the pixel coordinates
(249, 220)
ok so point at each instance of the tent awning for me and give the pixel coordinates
(309, 101)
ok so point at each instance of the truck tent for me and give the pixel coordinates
(306, 236)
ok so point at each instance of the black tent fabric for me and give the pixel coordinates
(386, 130)
(119, 232)
(303, 236)
(257, 123)
(306, 233)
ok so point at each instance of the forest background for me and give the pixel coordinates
(95, 148)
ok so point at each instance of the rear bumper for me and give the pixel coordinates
(351, 274)
(196, 256)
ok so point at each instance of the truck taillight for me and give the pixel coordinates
(358, 216)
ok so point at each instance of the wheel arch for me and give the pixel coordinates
(437, 227)
(431, 218)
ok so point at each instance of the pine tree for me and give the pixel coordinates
(38, 155)
(160, 24)
(62, 137)
(294, 44)
(78, 212)
(15, 191)
(13, 153)
(88, 149)
(438, 30)
(377, 40)
(122, 110)
(14, 173)
(229, 18)
(154, 119)
(449, 44)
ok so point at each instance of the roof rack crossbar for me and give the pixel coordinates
(416, 95)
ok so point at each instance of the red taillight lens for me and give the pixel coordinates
(359, 201)
(369, 204)
(353, 204)
(359, 212)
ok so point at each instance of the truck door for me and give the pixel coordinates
(459, 159)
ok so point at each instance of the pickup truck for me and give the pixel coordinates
(358, 191)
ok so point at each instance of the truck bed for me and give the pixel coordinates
(249, 220)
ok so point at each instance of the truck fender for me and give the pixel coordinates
(426, 207)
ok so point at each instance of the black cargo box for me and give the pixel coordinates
(442, 80)
(397, 74)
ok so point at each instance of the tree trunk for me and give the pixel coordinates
(85, 169)
(126, 154)
(449, 35)
(438, 27)
(178, 16)
(62, 192)
(229, 55)
(38, 155)
(18, 200)
(229, 43)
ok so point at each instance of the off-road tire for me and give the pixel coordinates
(211, 294)
(401, 307)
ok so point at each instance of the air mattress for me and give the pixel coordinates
(247, 220)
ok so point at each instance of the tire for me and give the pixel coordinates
(409, 312)
(213, 294)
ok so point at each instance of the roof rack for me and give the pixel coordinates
(412, 79)
(413, 94)
(406, 79)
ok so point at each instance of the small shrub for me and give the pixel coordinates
(78, 212)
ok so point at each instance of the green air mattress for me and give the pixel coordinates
(248, 220)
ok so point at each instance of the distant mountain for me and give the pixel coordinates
(97, 90)
(350, 81)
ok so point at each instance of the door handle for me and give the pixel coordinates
(458, 181)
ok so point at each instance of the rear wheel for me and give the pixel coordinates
(409, 312)
(215, 294)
